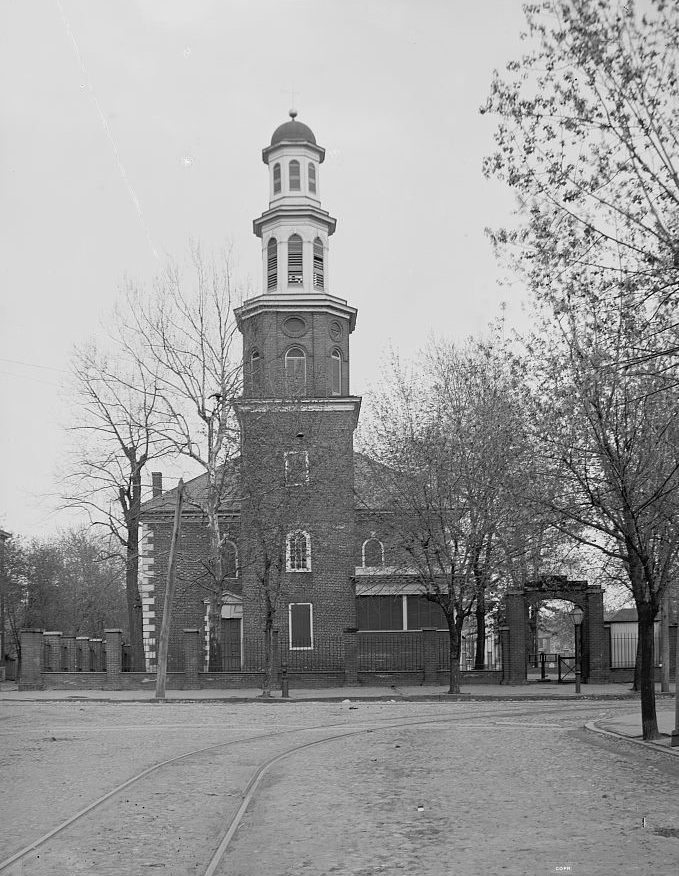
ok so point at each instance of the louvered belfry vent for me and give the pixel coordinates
(295, 277)
(319, 278)
(272, 264)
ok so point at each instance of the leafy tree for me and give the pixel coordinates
(586, 136)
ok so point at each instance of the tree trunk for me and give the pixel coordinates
(649, 720)
(215, 562)
(480, 656)
(454, 651)
(269, 652)
(133, 596)
(636, 680)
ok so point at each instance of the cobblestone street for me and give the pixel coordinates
(473, 788)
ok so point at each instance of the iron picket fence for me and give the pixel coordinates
(395, 652)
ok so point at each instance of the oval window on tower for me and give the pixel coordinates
(294, 326)
(335, 330)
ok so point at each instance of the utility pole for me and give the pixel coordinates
(161, 672)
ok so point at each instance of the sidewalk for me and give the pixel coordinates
(489, 692)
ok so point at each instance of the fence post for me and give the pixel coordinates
(430, 653)
(31, 657)
(275, 655)
(53, 641)
(191, 658)
(350, 639)
(114, 659)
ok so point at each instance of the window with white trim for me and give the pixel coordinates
(336, 372)
(294, 176)
(276, 179)
(298, 552)
(272, 264)
(319, 275)
(295, 274)
(312, 178)
(301, 626)
(296, 468)
(373, 552)
(295, 370)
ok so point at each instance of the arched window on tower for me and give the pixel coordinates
(229, 559)
(319, 274)
(272, 264)
(295, 179)
(295, 371)
(336, 372)
(312, 178)
(295, 260)
(255, 371)
(277, 179)
(373, 553)
(298, 553)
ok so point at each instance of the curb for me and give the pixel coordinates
(593, 727)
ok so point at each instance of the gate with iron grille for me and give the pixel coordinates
(566, 668)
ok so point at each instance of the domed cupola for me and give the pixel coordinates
(294, 230)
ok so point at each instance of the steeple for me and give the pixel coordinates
(295, 229)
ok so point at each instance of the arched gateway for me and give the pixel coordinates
(514, 633)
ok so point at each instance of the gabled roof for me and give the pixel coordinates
(622, 616)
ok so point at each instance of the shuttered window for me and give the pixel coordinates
(295, 184)
(298, 554)
(423, 613)
(272, 264)
(295, 371)
(319, 274)
(379, 612)
(312, 178)
(276, 179)
(295, 260)
(301, 625)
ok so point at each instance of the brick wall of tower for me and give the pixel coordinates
(324, 508)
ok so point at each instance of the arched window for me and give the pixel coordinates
(295, 183)
(295, 370)
(255, 371)
(272, 264)
(276, 179)
(373, 553)
(298, 552)
(229, 559)
(318, 264)
(312, 178)
(295, 260)
(336, 372)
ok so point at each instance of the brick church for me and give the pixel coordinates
(305, 506)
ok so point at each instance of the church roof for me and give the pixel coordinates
(369, 485)
(293, 130)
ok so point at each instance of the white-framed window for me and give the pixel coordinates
(301, 626)
(296, 468)
(276, 179)
(294, 176)
(336, 372)
(312, 178)
(271, 264)
(298, 552)
(295, 370)
(373, 552)
(319, 274)
(295, 275)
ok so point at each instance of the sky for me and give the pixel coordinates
(131, 127)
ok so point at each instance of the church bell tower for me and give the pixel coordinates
(297, 414)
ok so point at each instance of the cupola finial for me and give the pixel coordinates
(293, 114)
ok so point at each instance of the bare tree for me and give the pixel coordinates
(448, 439)
(183, 336)
(117, 415)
